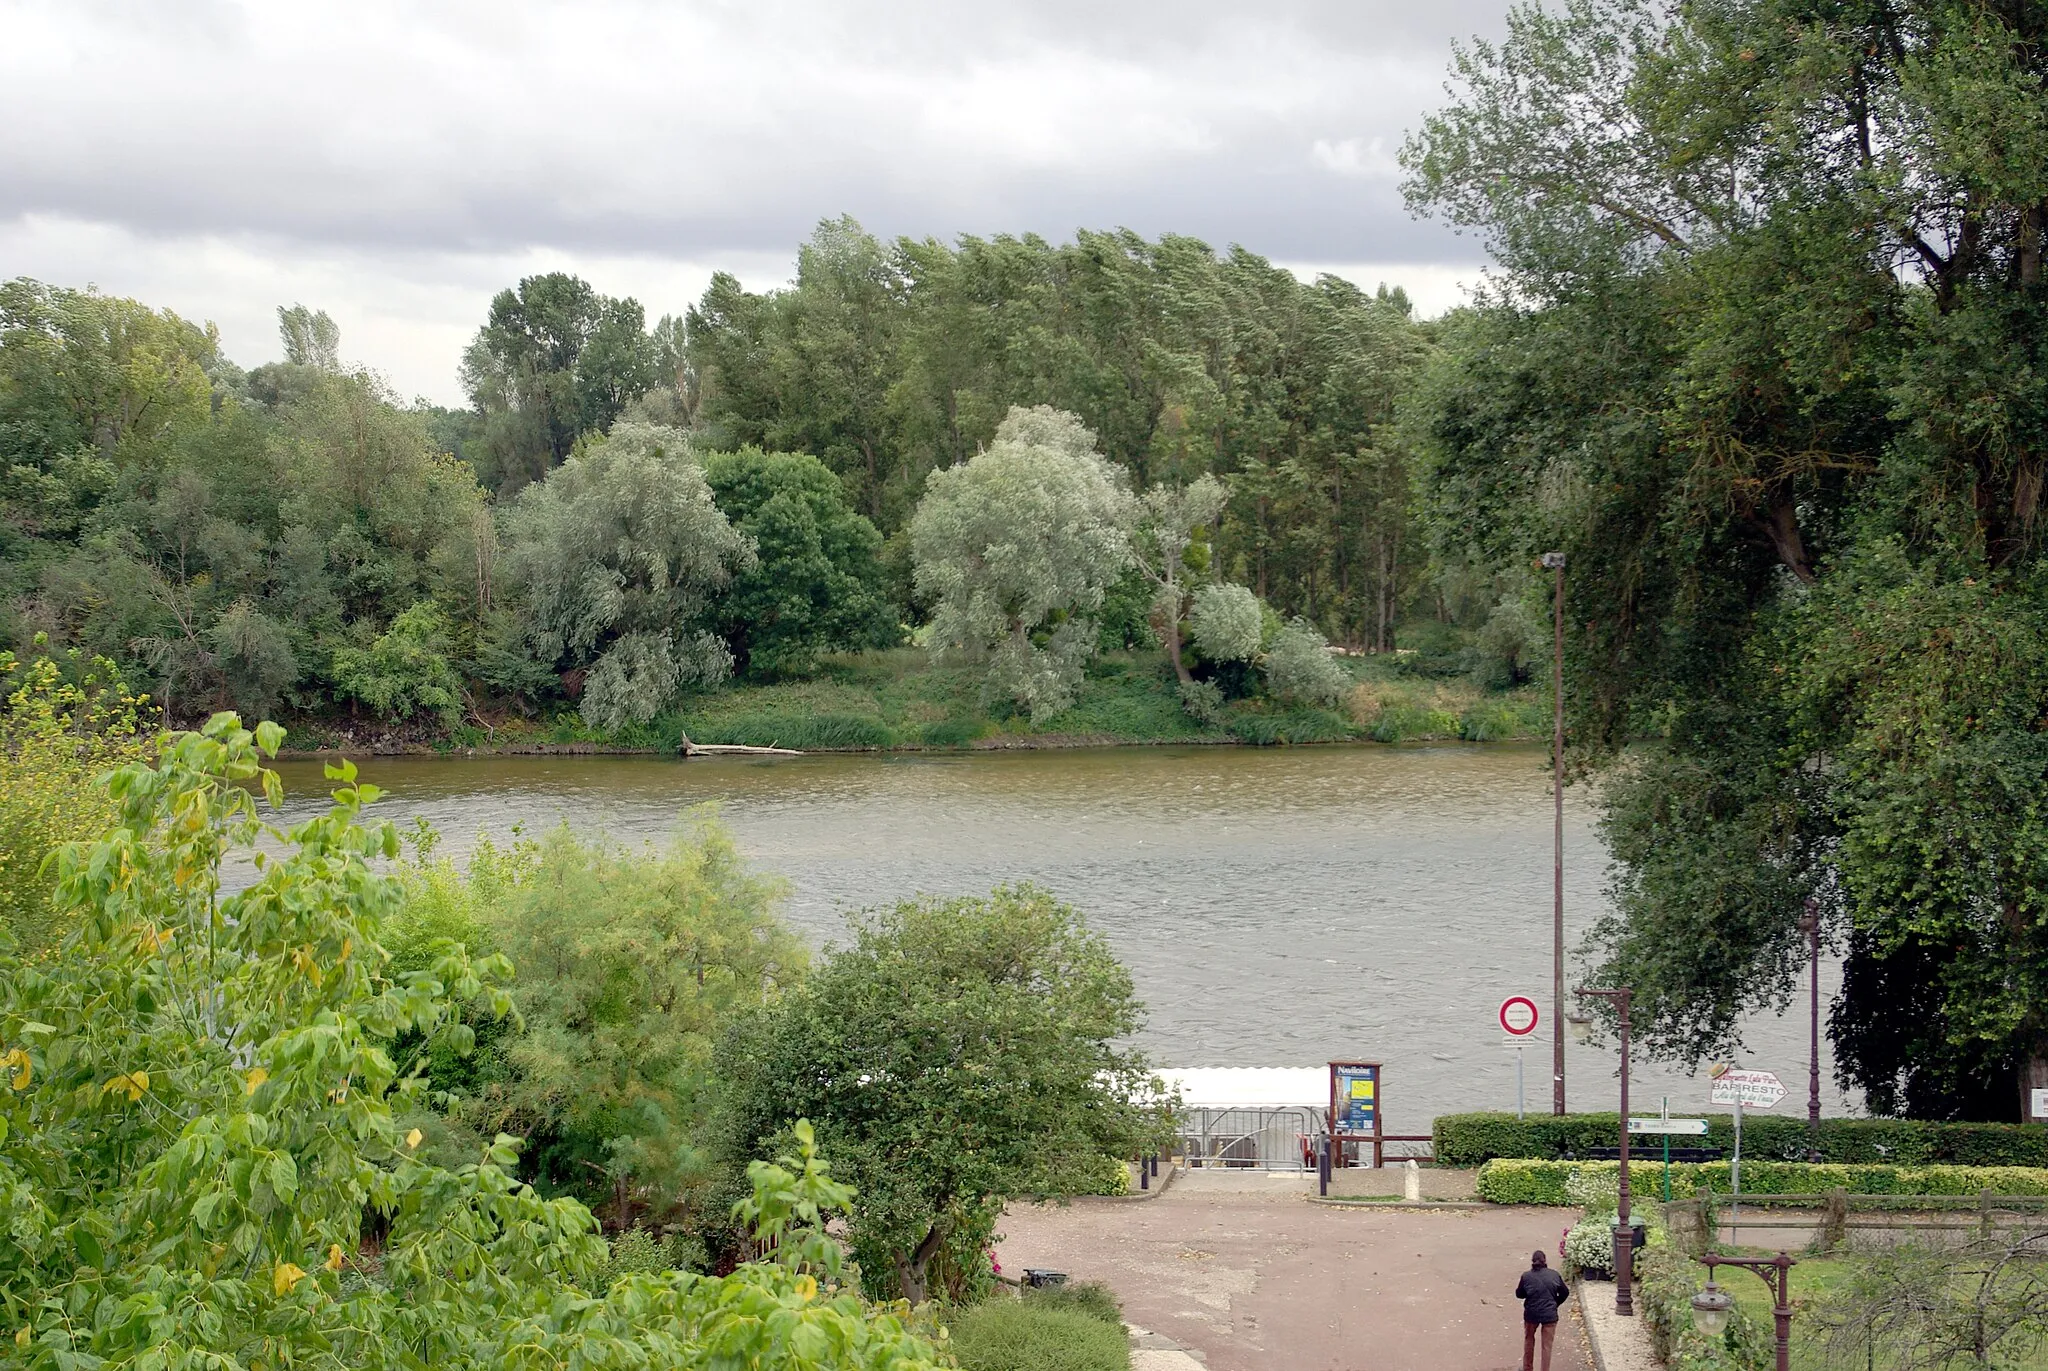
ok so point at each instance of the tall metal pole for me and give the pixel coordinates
(1624, 1229)
(1555, 561)
(1811, 923)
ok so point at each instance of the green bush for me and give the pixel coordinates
(1092, 1298)
(1035, 1334)
(1509, 1180)
(1666, 1279)
(1471, 1139)
(951, 733)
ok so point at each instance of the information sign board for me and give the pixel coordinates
(2040, 1101)
(1751, 1089)
(1354, 1100)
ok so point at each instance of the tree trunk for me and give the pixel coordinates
(910, 1271)
(1168, 610)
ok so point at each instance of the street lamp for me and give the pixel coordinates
(1810, 926)
(1711, 1306)
(1554, 562)
(1624, 1230)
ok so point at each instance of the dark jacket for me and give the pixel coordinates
(1541, 1291)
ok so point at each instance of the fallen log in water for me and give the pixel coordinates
(690, 749)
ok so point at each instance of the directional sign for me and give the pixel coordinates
(1753, 1089)
(1518, 1016)
(1693, 1127)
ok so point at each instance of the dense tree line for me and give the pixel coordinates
(1766, 360)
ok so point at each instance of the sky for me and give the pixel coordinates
(396, 164)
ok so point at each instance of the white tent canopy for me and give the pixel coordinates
(1249, 1087)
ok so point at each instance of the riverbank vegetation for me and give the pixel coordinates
(330, 1119)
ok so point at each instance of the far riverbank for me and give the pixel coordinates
(898, 701)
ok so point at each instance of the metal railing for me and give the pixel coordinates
(1269, 1139)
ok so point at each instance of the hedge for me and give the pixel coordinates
(1665, 1281)
(1508, 1180)
(1474, 1139)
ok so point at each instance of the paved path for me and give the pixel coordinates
(1243, 1270)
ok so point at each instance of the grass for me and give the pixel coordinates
(899, 699)
(1035, 1334)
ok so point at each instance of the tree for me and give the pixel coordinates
(66, 723)
(1227, 623)
(1766, 364)
(631, 962)
(958, 1053)
(405, 672)
(617, 556)
(1299, 669)
(1170, 518)
(816, 585)
(1015, 549)
(198, 1098)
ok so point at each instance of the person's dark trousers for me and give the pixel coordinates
(1530, 1334)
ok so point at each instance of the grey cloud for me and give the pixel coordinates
(696, 130)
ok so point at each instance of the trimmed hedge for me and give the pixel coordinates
(1510, 1180)
(1027, 1335)
(1474, 1139)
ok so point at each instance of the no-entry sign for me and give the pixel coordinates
(1519, 1017)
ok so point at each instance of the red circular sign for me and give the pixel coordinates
(1518, 1016)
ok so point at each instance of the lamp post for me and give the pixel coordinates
(1810, 926)
(1555, 562)
(1624, 1230)
(1712, 1306)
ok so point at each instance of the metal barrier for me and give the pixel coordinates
(1269, 1139)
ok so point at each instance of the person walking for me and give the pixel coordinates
(1541, 1291)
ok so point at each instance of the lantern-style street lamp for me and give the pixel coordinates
(1711, 1307)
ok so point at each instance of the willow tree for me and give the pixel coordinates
(618, 555)
(1015, 549)
(1766, 360)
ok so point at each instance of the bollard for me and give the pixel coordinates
(1323, 1166)
(1411, 1182)
(1144, 1175)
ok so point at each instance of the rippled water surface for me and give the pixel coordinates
(1278, 907)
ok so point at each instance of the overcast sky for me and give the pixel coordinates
(396, 164)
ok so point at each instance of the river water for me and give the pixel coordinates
(1276, 906)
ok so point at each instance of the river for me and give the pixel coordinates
(1276, 906)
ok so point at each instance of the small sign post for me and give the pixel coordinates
(1518, 1019)
(1665, 1124)
(1355, 1105)
(1760, 1090)
(2039, 1099)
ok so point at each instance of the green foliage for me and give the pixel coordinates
(957, 1053)
(1227, 623)
(1589, 1246)
(817, 583)
(198, 1113)
(1092, 1298)
(1470, 1139)
(632, 962)
(405, 672)
(1666, 1279)
(1507, 647)
(618, 554)
(1015, 550)
(1524, 1181)
(1037, 1335)
(1299, 670)
(65, 724)
(1765, 363)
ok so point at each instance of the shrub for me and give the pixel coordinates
(1666, 1279)
(1589, 1246)
(1471, 1139)
(1092, 1298)
(1524, 1181)
(802, 731)
(1596, 1192)
(405, 672)
(1202, 701)
(1034, 1334)
(1299, 669)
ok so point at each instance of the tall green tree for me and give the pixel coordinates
(1766, 362)
(956, 1054)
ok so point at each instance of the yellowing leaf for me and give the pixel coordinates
(412, 1139)
(22, 1336)
(806, 1287)
(254, 1081)
(285, 1277)
(20, 1071)
(129, 1083)
(334, 1257)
